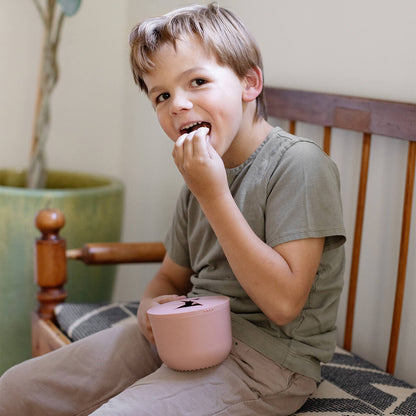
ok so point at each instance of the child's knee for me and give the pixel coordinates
(12, 382)
(10, 379)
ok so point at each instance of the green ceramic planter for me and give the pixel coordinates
(93, 208)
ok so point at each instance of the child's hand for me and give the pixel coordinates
(143, 317)
(200, 165)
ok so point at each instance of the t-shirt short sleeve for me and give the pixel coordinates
(304, 198)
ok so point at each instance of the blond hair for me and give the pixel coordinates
(222, 33)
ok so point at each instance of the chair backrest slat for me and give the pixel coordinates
(404, 247)
(356, 248)
(292, 126)
(327, 139)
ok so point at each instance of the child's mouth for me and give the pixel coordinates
(195, 126)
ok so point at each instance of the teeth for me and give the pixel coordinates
(190, 127)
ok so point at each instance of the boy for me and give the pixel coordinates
(259, 220)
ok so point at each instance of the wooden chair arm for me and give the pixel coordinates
(117, 253)
(51, 257)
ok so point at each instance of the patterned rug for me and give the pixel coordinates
(350, 386)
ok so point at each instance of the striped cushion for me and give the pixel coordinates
(78, 320)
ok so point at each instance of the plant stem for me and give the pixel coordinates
(48, 77)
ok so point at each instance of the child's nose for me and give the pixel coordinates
(180, 102)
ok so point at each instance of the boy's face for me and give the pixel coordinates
(189, 89)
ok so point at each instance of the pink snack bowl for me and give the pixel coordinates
(192, 333)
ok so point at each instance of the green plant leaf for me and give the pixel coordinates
(69, 7)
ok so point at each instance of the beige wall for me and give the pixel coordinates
(101, 123)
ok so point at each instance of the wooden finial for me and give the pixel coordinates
(49, 222)
(50, 268)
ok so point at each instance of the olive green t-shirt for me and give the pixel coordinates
(288, 189)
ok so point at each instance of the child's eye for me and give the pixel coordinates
(198, 82)
(162, 97)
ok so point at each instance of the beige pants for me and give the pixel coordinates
(116, 372)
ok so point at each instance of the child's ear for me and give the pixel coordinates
(253, 84)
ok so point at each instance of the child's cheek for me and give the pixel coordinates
(165, 127)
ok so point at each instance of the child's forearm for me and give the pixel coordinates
(277, 279)
(170, 279)
(158, 287)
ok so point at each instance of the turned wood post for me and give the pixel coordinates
(50, 262)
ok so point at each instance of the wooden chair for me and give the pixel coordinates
(374, 119)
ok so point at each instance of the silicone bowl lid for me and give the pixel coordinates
(189, 305)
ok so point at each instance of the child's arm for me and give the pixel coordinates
(277, 279)
(171, 282)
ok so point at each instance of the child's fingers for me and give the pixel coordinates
(168, 298)
(158, 300)
(180, 140)
(149, 332)
(200, 142)
(177, 152)
(211, 151)
(183, 149)
(190, 145)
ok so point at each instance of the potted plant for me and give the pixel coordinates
(92, 205)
